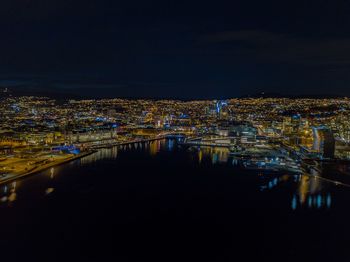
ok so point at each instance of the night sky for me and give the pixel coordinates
(180, 49)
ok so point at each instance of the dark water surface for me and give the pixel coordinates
(160, 202)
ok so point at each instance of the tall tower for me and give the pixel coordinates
(324, 142)
(219, 105)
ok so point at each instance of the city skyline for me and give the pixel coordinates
(172, 130)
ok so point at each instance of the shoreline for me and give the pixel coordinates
(102, 146)
(40, 168)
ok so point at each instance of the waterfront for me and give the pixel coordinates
(159, 201)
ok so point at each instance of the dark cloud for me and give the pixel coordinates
(284, 48)
(182, 48)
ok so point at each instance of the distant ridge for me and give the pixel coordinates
(37, 91)
(278, 95)
(62, 94)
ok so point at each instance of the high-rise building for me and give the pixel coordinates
(296, 123)
(219, 106)
(324, 142)
(286, 125)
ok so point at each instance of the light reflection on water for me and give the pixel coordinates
(305, 192)
(309, 193)
(8, 192)
(217, 155)
(99, 155)
(153, 148)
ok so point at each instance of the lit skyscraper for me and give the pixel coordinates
(324, 142)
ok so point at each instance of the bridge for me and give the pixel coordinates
(112, 143)
(170, 134)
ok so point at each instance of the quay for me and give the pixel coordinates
(39, 168)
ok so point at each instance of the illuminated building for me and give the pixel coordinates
(324, 142)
